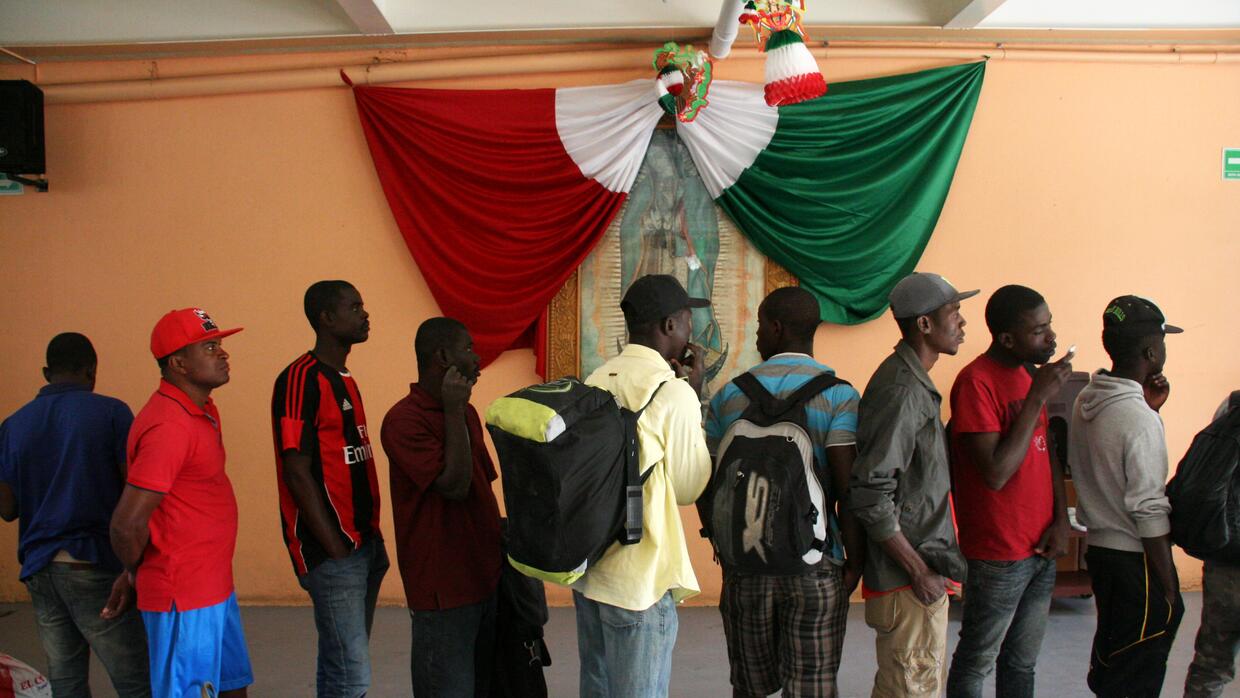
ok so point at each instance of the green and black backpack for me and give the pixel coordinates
(569, 458)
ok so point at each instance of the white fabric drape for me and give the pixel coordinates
(729, 133)
(606, 129)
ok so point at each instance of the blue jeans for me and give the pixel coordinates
(453, 651)
(625, 654)
(1006, 604)
(67, 602)
(344, 592)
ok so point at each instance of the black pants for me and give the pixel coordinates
(1135, 625)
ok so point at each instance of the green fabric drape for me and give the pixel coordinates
(849, 189)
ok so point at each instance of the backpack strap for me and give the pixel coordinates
(752, 388)
(634, 479)
(774, 407)
(642, 477)
(818, 384)
(660, 387)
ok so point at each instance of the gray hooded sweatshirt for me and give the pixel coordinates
(1117, 450)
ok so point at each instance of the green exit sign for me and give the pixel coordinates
(1231, 163)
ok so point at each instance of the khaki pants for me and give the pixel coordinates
(911, 644)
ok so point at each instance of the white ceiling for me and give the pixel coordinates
(1115, 14)
(59, 22)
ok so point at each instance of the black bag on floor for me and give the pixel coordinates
(569, 458)
(1205, 492)
(520, 652)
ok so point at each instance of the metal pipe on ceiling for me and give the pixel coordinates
(616, 59)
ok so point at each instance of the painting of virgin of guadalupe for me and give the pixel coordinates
(670, 225)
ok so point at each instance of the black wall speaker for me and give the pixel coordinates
(21, 128)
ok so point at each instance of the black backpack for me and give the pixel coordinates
(1205, 492)
(569, 459)
(765, 509)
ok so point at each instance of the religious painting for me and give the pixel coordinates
(668, 225)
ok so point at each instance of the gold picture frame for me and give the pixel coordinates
(564, 321)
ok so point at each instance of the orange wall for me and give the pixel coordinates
(1084, 181)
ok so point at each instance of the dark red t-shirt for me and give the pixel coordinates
(448, 552)
(175, 447)
(1007, 524)
(317, 411)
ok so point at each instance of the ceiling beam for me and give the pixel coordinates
(1213, 39)
(972, 14)
(367, 16)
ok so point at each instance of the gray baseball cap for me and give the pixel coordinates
(921, 293)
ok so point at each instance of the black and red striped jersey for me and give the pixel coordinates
(317, 411)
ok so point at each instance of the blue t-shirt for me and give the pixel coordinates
(831, 416)
(62, 454)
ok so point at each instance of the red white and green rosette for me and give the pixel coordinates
(685, 74)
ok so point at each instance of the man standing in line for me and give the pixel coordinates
(175, 527)
(1118, 451)
(787, 631)
(900, 489)
(329, 491)
(626, 602)
(1009, 496)
(62, 469)
(1218, 637)
(447, 519)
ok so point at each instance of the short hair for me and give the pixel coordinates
(162, 361)
(1124, 347)
(642, 329)
(1006, 305)
(321, 296)
(908, 326)
(69, 352)
(435, 334)
(796, 309)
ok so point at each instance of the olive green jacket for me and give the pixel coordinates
(901, 480)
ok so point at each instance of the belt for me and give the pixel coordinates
(74, 565)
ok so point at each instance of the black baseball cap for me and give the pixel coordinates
(1135, 316)
(656, 296)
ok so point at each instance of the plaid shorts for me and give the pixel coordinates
(785, 632)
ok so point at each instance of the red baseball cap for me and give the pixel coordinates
(181, 328)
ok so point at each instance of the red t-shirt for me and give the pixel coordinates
(448, 552)
(175, 448)
(1007, 524)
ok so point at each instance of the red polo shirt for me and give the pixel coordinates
(448, 552)
(175, 448)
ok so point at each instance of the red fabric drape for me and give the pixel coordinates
(494, 211)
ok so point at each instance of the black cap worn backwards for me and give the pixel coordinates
(1135, 316)
(656, 296)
